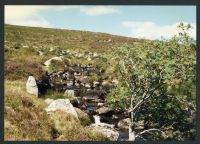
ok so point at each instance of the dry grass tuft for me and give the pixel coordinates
(26, 119)
(69, 128)
(24, 114)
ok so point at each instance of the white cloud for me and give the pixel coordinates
(21, 12)
(26, 15)
(39, 22)
(29, 15)
(97, 10)
(151, 30)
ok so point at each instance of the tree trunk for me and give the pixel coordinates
(131, 127)
(131, 134)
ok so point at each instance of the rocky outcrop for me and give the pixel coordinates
(124, 124)
(105, 129)
(61, 104)
(69, 93)
(31, 86)
(104, 110)
(48, 100)
(81, 113)
(48, 62)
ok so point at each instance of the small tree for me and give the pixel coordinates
(151, 70)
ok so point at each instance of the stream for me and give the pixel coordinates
(123, 136)
(90, 94)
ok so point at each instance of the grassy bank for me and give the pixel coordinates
(26, 119)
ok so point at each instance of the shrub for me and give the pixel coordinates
(15, 70)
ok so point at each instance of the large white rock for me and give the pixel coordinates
(63, 105)
(69, 93)
(89, 59)
(105, 129)
(31, 86)
(95, 54)
(48, 100)
(48, 62)
(115, 82)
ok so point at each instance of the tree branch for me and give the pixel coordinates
(149, 131)
(144, 98)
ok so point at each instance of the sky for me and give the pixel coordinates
(150, 22)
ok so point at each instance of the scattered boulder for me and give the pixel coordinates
(95, 54)
(124, 124)
(115, 82)
(96, 83)
(51, 49)
(69, 93)
(25, 46)
(80, 113)
(89, 59)
(48, 100)
(31, 86)
(48, 62)
(109, 40)
(104, 110)
(63, 105)
(100, 104)
(105, 129)
(40, 53)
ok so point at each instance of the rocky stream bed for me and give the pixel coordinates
(89, 97)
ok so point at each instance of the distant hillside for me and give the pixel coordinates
(67, 39)
(26, 51)
(27, 48)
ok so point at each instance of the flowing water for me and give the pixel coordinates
(123, 136)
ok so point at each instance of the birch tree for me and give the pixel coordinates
(152, 69)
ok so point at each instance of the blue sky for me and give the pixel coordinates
(149, 22)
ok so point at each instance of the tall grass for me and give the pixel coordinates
(26, 119)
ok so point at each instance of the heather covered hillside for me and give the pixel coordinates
(26, 50)
(81, 86)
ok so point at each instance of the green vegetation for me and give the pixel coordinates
(23, 44)
(71, 129)
(156, 82)
(158, 85)
(26, 119)
(57, 95)
(26, 50)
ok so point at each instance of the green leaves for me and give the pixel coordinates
(118, 98)
(164, 70)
